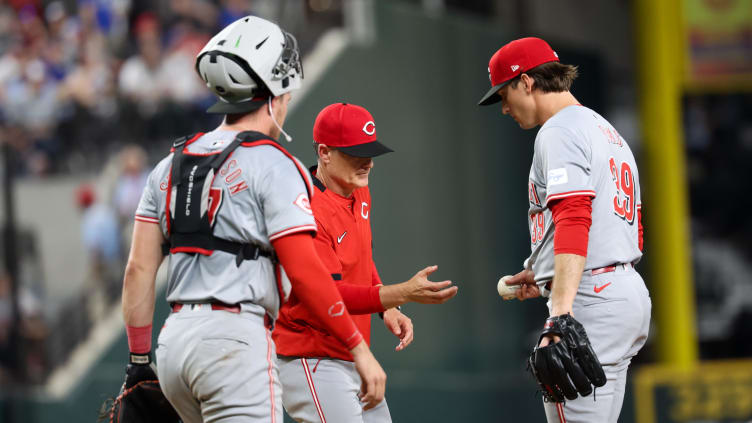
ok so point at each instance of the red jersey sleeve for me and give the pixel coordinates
(309, 278)
(375, 279)
(572, 220)
(358, 299)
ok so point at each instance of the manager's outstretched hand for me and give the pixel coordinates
(417, 289)
(421, 290)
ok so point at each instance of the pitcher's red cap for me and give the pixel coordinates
(513, 59)
(348, 128)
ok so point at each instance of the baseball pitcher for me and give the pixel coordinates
(231, 208)
(585, 236)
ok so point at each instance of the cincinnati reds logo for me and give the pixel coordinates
(364, 210)
(163, 186)
(337, 309)
(372, 126)
(304, 204)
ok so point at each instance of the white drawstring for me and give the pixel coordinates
(287, 137)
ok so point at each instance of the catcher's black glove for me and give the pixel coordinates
(140, 398)
(568, 367)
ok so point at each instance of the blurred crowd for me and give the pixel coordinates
(102, 87)
(79, 78)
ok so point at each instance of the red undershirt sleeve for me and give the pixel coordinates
(359, 299)
(309, 280)
(572, 220)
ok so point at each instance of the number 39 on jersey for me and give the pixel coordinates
(626, 195)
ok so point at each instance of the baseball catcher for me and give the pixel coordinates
(140, 398)
(568, 367)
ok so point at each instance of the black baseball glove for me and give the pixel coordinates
(140, 399)
(566, 368)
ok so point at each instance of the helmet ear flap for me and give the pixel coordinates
(228, 77)
(250, 58)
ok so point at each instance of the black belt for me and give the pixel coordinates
(240, 251)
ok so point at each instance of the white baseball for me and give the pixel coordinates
(506, 292)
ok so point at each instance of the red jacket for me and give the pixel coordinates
(343, 243)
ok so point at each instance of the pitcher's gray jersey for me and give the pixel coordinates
(263, 197)
(577, 152)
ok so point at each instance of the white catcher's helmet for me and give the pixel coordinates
(247, 62)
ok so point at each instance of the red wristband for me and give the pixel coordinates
(139, 339)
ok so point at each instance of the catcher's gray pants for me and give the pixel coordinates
(616, 318)
(325, 391)
(219, 366)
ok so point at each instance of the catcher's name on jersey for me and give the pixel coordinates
(577, 152)
(259, 194)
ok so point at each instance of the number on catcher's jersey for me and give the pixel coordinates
(625, 197)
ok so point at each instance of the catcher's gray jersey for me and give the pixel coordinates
(264, 197)
(577, 152)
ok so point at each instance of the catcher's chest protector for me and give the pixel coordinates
(192, 203)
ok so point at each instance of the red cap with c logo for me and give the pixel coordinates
(349, 128)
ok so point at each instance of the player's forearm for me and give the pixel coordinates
(138, 295)
(567, 274)
(389, 296)
(392, 295)
(140, 273)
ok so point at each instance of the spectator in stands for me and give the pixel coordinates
(62, 50)
(185, 43)
(100, 235)
(31, 102)
(130, 183)
(100, 232)
(142, 79)
(8, 27)
(232, 10)
(91, 83)
(201, 14)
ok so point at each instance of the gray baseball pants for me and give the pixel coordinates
(219, 367)
(325, 390)
(614, 308)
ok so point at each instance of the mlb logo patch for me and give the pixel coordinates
(557, 176)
